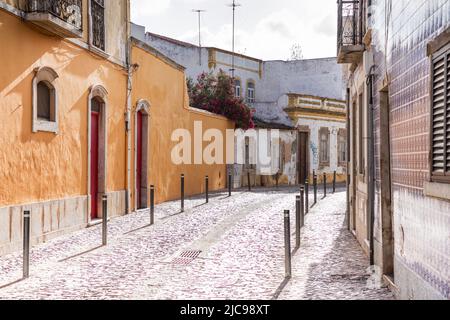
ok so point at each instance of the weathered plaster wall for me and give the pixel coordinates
(273, 79)
(116, 18)
(42, 167)
(318, 77)
(314, 126)
(186, 55)
(282, 165)
(164, 87)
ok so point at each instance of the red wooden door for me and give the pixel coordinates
(94, 163)
(139, 159)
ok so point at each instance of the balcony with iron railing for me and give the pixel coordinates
(61, 17)
(351, 27)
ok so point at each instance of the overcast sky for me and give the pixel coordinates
(265, 29)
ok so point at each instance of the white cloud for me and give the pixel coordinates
(145, 8)
(264, 29)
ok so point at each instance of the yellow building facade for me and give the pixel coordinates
(68, 95)
(160, 93)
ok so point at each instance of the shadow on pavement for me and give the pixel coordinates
(81, 254)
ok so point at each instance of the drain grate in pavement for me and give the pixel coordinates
(350, 277)
(186, 257)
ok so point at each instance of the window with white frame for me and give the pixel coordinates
(250, 92)
(324, 136)
(45, 101)
(342, 147)
(237, 88)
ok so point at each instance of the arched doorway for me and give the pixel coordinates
(141, 154)
(97, 150)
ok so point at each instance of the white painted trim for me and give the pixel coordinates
(100, 92)
(142, 105)
(50, 76)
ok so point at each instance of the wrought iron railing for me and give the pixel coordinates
(69, 11)
(351, 23)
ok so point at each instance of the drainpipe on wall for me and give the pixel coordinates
(371, 164)
(127, 116)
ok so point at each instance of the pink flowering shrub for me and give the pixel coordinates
(216, 94)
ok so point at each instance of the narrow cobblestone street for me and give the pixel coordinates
(236, 251)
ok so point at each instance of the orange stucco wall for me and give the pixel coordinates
(164, 87)
(43, 166)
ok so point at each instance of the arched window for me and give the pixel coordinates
(44, 95)
(45, 102)
(250, 92)
(237, 88)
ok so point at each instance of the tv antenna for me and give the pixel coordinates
(234, 5)
(199, 12)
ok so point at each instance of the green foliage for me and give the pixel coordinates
(216, 94)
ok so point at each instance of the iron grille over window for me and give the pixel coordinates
(69, 11)
(441, 117)
(98, 23)
(350, 23)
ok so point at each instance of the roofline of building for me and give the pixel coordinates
(187, 44)
(309, 59)
(316, 97)
(236, 54)
(172, 40)
(146, 47)
(190, 45)
(271, 125)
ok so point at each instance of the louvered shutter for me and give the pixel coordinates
(441, 115)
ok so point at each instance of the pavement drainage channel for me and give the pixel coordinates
(186, 257)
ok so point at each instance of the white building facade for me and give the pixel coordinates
(266, 86)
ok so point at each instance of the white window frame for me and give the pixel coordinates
(237, 88)
(49, 76)
(251, 98)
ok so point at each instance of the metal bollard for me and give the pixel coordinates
(26, 244)
(207, 189)
(298, 221)
(315, 189)
(287, 243)
(182, 192)
(334, 182)
(105, 220)
(306, 197)
(229, 183)
(152, 205)
(249, 181)
(302, 207)
(324, 185)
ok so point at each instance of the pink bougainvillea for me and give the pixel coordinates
(216, 94)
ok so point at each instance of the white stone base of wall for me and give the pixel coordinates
(50, 219)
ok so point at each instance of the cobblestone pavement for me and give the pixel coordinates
(240, 248)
